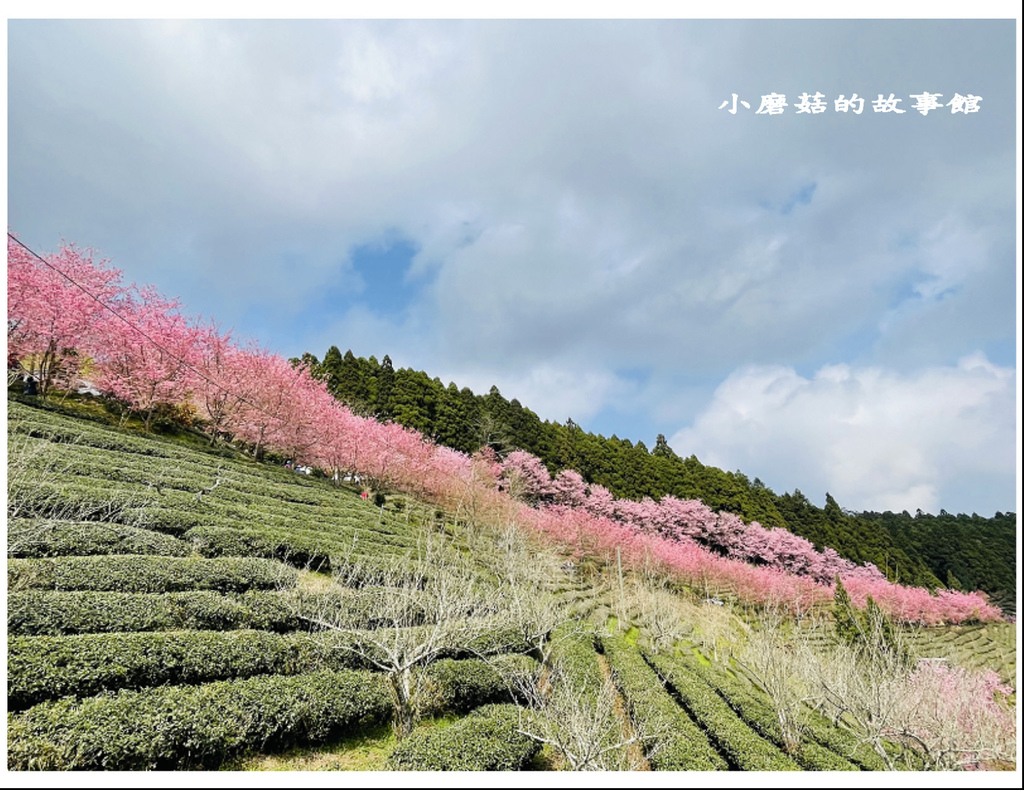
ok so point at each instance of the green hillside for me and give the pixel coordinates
(960, 552)
(176, 607)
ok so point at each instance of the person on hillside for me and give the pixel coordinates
(31, 387)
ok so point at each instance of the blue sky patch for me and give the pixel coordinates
(801, 197)
(382, 266)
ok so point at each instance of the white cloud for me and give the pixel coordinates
(572, 176)
(579, 204)
(876, 439)
(553, 392)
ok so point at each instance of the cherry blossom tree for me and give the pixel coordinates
(525, 477)
(222, 386)
(569, 488)
(298, 431)
(956, 718)
(273, 385)
(55, 308)
(336, 451)
(149, 354)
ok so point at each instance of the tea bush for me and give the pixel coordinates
(47, 538)
(756, 710)
(486, 740)
(679, 744)
(742, 747)
(572, 650)
(140, 573)
(44, 612)
(467, 684)
(48, 667)
(176, 727)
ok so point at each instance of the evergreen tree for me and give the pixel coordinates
(881, 633)
(566, 454)
(833, 512)
(350, 383)
(661, 448)
(493, 429)
(331, 368)
(452, 425)
(413, 401)
(385, 383)
(848, 626)
(871, 631)
(309, 361)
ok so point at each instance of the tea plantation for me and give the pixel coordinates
(172, 606)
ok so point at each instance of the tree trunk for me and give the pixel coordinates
(405, 712)
(47, 366)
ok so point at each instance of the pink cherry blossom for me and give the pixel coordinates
(148, 353)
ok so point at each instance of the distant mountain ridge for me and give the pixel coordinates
(959, 552)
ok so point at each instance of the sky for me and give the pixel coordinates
(580, 213)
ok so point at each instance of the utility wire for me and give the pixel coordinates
(169, 353)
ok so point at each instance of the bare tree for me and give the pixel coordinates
(910, 713)
(579, 720)
(524, 570)
(863, 689)
(778, 658)
(414, 614)
(473, 501)
(956, 718)
(924, 715)
(491, 431)
(668, 616)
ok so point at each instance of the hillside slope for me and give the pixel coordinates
(172, 606)
(918, 550)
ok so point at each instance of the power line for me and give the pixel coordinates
(169, 353)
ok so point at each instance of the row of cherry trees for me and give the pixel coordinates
(525, 476)
(71, 318)
(139, 347)
(706, 569)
